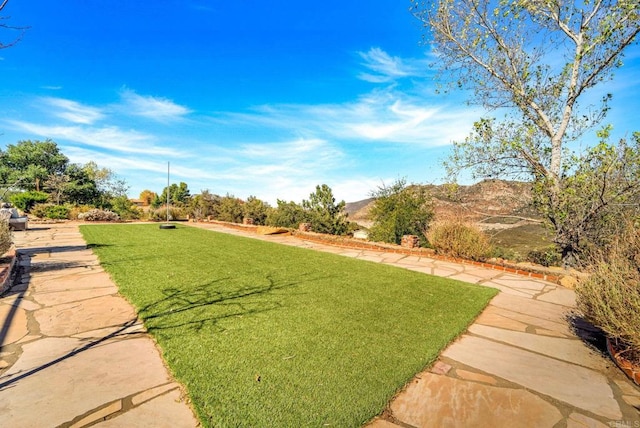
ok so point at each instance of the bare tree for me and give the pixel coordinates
(5, 26)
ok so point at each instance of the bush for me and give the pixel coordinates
(459, 239)
(161, 214)
(506, 254)
(610, 296)
(5, 237)
(75, 211)
(546, 257)
(52, 211)
(99, 215)
(123, 206)
(25, 201)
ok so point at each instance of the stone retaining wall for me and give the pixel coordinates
(348, 242)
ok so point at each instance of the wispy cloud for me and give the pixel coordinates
(384, 68)
(384, 116)
(158, 109)
(107, 138)
(73, 111)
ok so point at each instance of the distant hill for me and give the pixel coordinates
(503, 209)
(489, 202)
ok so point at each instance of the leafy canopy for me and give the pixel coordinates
(534, 60)
(400, 210)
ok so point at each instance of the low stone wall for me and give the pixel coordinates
(554, 275)
(7, 269)
(529, 270)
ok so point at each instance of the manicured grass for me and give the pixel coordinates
(264, 334)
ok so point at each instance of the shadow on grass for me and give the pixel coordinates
(194, 308)
(207, 304)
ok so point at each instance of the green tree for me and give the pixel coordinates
(400, 210)
(156, 202)
(286, 214)
(324, 214)
(600, 190)
(230, 209)
(80, 187)
(179, 194)
(30, 163)
(256, 209)
(534, 60)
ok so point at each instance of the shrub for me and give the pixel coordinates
(123, 206)
(458, 239)
(75, 211)
(230, 209)
(546, 257)
(25, 201)
(99, 215)
(256, 209)
(5, 237)
(610, 296)
(506, 254)
(52, 211)
(161, 214)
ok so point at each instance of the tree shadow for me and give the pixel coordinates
(194, 308)
(31, 251)
(120, 331)
(591, 335)
(207, 304)
(25, 255)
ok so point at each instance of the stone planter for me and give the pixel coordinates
(617, 355)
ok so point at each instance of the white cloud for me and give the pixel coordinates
(158, 109)
(386, 68)
(73, 111)
(108, 137)
(383, 116)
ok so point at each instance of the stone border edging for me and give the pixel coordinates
(6, 272)
(345, 242)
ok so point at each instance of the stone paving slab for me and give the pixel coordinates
(440, 401)
(570, 350)
(578, 386)
(75, 354)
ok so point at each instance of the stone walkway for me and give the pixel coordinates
(73, 351)
(74, 354)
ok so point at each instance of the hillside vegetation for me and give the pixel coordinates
(503, 209)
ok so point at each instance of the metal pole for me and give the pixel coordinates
(168, 163)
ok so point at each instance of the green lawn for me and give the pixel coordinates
(264, 334)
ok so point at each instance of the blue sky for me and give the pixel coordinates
(246, 98)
